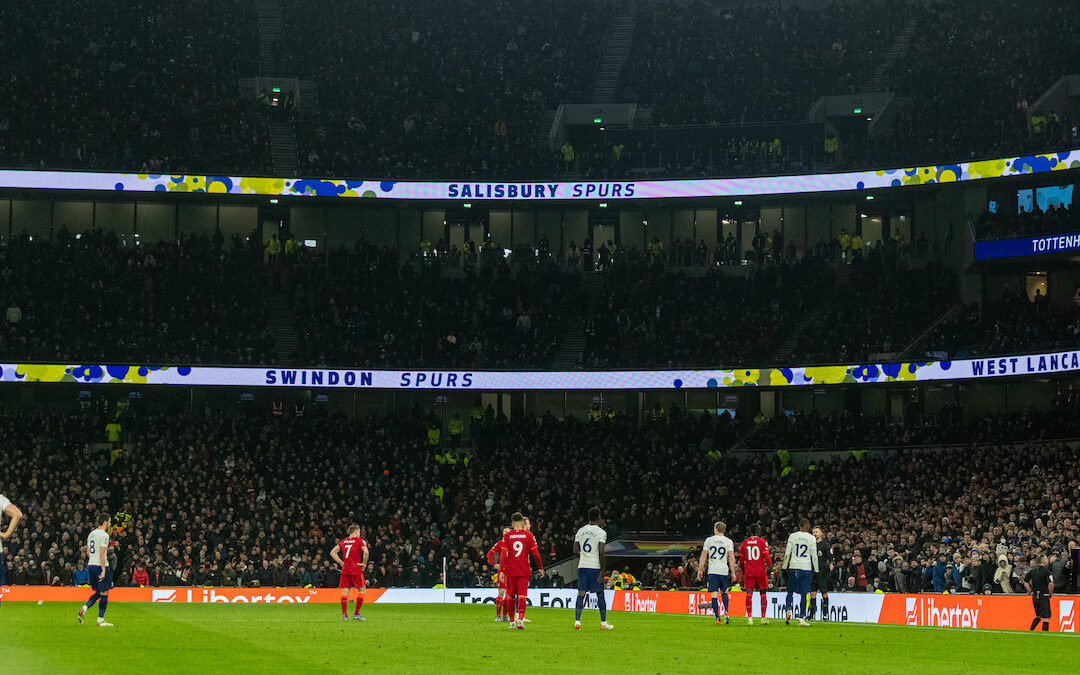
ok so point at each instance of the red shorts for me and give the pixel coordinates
(756, 583)
(500, 581)
(517, 585)
(352, 580)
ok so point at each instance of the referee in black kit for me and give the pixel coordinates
(1040, 583)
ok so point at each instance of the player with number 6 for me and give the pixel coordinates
(589, 548)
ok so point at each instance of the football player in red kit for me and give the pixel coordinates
(355, 552)
(520, 546)
(496, 556)
(755, 562)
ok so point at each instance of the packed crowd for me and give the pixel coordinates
(421, 91)
(873, 310)
(133, 87)
(694, 151)
(249, 500)
(649, 318)
(959, 60)
(426, 90)
(364, 307)
(699, 63)
(948, 426)
(1011, 324)
(1054, 220)
(92, 297)
(210, 301)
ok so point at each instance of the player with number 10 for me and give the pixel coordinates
(755, 562)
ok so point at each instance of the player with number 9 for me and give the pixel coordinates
(520, 546)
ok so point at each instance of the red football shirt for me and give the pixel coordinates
(352, 554)
(499, 549)
(519, 545)
(754, 557)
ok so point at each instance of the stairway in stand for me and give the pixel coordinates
(572, 346)
(283, 327)
(616, 49)
(791, 339)
(896, 50)
(283, 148)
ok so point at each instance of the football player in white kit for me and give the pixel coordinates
(718, 551)
(589, 547)
(97, 550)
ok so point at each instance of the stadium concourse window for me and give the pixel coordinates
(231, 517)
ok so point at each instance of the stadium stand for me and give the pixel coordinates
(701, 63)
(228, 495)
(1011, 324)
(1054, 220)
(138, 87)
(430, 90)
(649, 317)
(90, 296)
(470, 91)
(972, 71)
(205, 300)
(367, 308)
(247, 500)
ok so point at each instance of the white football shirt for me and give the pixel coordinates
(801, 553)
(590, 538)
(97, 542)
(717, 548)
(4, 501)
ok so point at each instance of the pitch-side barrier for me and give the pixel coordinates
(1002, 612)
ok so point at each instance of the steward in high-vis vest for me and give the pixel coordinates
(457, 427)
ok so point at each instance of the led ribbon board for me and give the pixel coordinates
(543, 191)
(921, 371)
(1022, 246)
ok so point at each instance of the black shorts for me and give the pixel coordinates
(1042, 606)
(821, 583)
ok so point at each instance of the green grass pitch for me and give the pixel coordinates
(165, 638)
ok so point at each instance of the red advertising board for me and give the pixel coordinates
(1001, 612)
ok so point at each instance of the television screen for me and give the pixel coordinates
(1024, 200)
(1055, 196)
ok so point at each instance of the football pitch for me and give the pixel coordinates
(198, 638)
